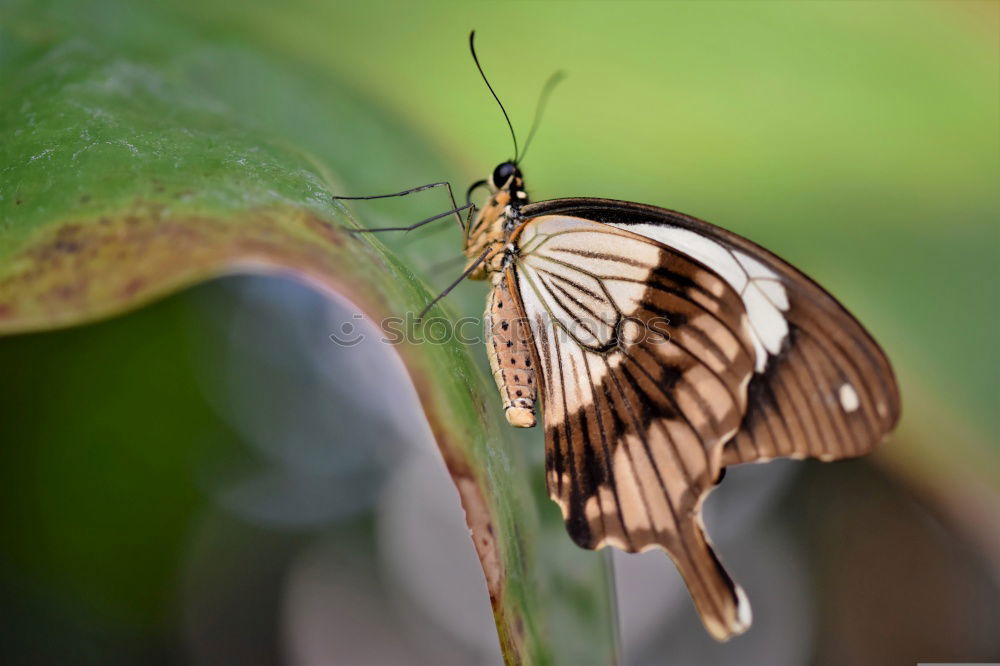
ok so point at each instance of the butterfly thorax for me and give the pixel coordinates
(492, 226)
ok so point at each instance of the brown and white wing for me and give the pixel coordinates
(645, 358)
(821, 385)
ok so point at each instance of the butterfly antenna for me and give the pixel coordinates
(543, 99)
(475, 58)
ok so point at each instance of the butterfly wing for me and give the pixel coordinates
(670, 348)
(645, 358)
(822, 387)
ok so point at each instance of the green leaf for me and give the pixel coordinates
(140, 156)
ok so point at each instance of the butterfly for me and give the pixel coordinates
(662, 349)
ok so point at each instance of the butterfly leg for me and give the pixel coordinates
(415, 225)
(455, 208)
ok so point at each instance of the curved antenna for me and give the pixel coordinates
(472, 47)
(543, 99)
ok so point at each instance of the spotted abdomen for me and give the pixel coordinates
(508, 344)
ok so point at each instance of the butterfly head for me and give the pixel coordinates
(505, 175)
(507, 178)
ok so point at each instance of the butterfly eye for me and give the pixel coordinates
(503, 173)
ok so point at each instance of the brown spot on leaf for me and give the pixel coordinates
(132, 287)
(66, 246)
(477, 515)
(325, 230)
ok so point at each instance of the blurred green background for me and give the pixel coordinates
(193, 484)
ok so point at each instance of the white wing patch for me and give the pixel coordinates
(585, 275)
(848, 398)
(760, 288)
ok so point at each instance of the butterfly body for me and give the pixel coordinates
(490, 241)
(511, 353)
